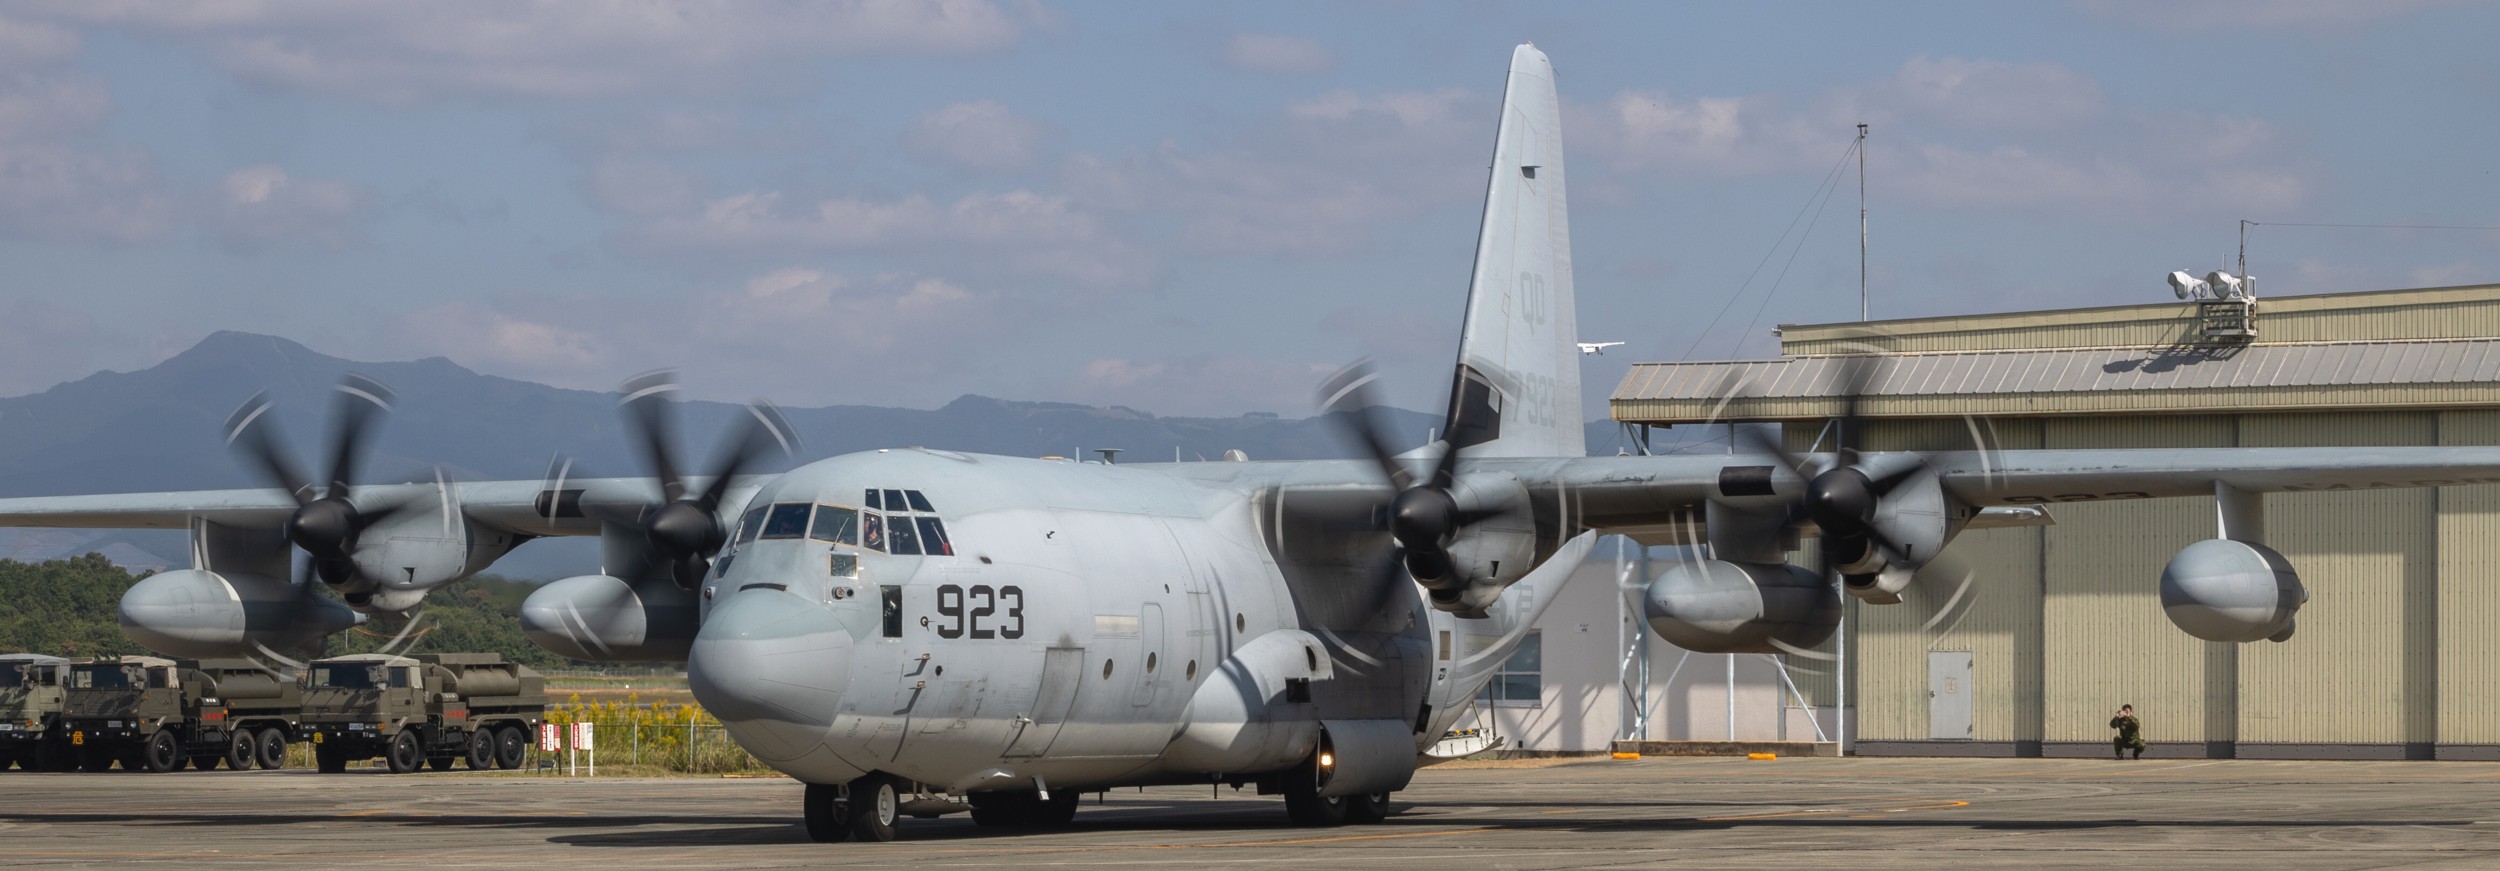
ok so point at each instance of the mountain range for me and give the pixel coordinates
(160, 429)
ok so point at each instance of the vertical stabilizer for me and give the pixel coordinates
(1516, 392)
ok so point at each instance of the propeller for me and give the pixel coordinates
(1424, 517)
(684, 529)
(326, 522)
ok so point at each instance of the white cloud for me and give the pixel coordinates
(981, 134)
(1278, 54)
(36, 106)
(62, 194)
(640, 187)
(1988, 94)
(30, 44)
(400, 52)
(262, 205)
(1019, 229)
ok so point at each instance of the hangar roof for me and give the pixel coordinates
(2436, 347)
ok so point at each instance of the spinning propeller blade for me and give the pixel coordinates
(684, 528)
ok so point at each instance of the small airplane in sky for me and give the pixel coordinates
(1598, 348)
(915, 631)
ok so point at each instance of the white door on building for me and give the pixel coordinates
(1948, 696)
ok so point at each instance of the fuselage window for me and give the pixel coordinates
(893, 597)
(871, 530)
(750, 524)
(874, 501)
(787, 520)
(835, 524)
(933, 537)
(918, 502)
(900, 537)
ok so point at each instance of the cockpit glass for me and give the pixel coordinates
(918, 502)
(347, 677)
(835, 524)
(875, 499)
(894, 500)
(900, 538)
(933, 537)
(871, 530)
(788, 520)
(102, 677)
(750, 524)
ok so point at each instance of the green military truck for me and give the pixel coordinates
(31, 734)
(154, 714)
(426, 709)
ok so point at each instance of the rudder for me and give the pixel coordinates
(1516, 391)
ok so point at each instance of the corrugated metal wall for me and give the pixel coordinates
(2467, 625)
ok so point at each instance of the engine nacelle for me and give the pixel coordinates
(417, 550)
(1500, 546)
(207, 615)
(1714, 606)
(600, 617)
(2225, 590)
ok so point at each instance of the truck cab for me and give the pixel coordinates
(157, 714)
(423, 710)
(31, 734)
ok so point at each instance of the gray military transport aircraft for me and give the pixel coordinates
(913, 631)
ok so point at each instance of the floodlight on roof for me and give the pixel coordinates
(2227, 286)
(2188, 286)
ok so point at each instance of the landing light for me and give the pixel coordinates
(1327, 760)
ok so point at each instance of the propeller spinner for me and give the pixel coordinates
(684, 529)
(1424, 516)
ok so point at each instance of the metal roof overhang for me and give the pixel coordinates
(2438, 373)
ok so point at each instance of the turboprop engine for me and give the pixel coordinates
(605, 618)
(201, 614)
(2225, 590)
(1715, 606)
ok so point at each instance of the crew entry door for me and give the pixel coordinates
(1062, 670)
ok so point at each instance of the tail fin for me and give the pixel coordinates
(1517, 389)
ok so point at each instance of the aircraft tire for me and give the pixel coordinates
(242, 751)
(828, 817)
(510, 745)
(403, 755)
(161, 754)
(329, 760)
(1367, 809)
(272, 749)
(481, 750)
(1056, 811)
(875, 804)
(1303, 803)
(1002, 809)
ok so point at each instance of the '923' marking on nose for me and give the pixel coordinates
(983, 620)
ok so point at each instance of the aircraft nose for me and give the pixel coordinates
(772, 666)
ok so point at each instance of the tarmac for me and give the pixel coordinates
(1651, 813)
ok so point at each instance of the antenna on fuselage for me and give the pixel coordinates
(1110, 455)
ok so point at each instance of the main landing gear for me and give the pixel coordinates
(865, 809)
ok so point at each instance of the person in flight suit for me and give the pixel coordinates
(2130, 732)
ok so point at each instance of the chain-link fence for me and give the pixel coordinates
(635, 738)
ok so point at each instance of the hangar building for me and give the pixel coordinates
(2397, 653)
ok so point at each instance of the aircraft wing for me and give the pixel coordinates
(254, 507)
(557, 507)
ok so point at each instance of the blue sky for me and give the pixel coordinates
(1185, 208)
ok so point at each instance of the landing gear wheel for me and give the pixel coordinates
(328, 759)
(272, 748)
(1003, 809)
(1303, 803)
(1367, 809)
(481, 750)
(162, 754)
(242, 750)
(440, 763)
(828, 816)
(510, 744)
(874, 804)
(404, 755)
(1057, 810)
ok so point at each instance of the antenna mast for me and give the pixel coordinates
(1862, 307)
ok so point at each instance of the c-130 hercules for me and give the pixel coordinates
(918, 631)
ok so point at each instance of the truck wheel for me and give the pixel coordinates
(329, 760)
(161, 754)
(874, 805)
(272, 748)
(510, 745)
(828, 816)
(481, 750)
(404, 755)
(241, 751)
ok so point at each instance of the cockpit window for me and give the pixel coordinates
(836, 524)
(900, 538)
(918, 502)
(933, 536)
(871, 530)
(894, 501)
(875, 499)
(787, 520)
(750, 524)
